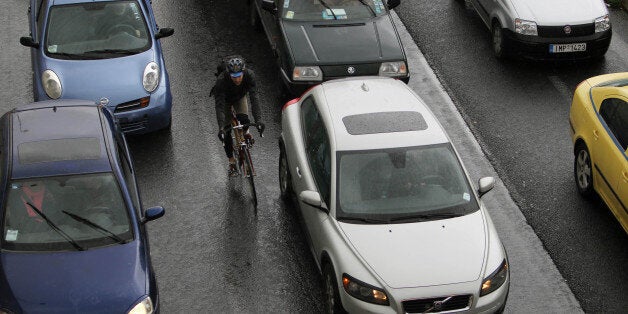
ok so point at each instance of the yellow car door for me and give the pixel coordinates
(608, 149)
(622, 191)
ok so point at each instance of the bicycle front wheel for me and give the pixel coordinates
(250, 171)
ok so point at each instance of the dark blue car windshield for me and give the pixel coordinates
(49, 214)
(96, 30)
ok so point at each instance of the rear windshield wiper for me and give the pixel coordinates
(95, 226)
(364, 219)
(328, 8)
(55, 228)
(423, 217)
(368, 6)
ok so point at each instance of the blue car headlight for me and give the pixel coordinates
(364, 291)
(143, 307)
(52, 85)
(495, 280)
(150, 80)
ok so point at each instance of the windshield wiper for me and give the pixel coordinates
(112, 51)
(328, 8)
(364, 219)
(66, 54)
(425, 217)
(55, 228)
(368, 6)
(95, 226)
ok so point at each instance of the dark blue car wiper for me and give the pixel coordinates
(55, 228)
(95, 226)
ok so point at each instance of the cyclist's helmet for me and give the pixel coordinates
(235, 66)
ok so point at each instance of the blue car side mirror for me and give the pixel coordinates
(164, 32)
(153, 213)
(28, 42)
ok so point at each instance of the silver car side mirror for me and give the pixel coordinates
(313, 199)
(486, 184)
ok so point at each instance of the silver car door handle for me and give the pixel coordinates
(298, 172)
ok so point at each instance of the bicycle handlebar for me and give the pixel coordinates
(260, 128)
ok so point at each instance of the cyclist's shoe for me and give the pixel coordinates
(233, 170)
(249, 138)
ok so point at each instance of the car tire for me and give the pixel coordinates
(498, 41)
(583, 172)
(285, 179)
(254, 19)
(333, 305)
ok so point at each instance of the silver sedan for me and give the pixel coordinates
(392, 220)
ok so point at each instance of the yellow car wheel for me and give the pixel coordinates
(582, 171)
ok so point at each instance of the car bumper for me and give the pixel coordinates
(296, 88)
(156, 116)
(534, 47)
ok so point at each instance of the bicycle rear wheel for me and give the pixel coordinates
(249, 173)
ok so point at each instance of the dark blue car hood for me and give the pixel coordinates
(104, 280)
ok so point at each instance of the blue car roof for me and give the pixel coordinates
(52, 138)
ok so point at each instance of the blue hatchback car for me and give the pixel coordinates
(102, 50)
(73, 229)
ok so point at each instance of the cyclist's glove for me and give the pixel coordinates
(261, 126)
(221, 135)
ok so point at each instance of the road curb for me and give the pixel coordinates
(536, 284)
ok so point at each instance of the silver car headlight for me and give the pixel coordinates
(307, 73)
(495, 280)
(144, 307)
(364, 291)
(524, 27)
(602, 23)
(51, 84)
(396, 68)
(150, 80)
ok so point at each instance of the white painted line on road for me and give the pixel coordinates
(561, 87)
(536, 284)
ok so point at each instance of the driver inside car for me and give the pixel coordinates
(119, 17)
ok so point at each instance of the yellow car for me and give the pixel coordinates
(599, 131)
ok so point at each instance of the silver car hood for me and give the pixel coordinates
(423, 253)
(560, 12)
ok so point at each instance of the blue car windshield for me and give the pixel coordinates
(395, 184)
(321, 10)
(65, 213)
(96, 30)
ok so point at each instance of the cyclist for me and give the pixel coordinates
(231, 90)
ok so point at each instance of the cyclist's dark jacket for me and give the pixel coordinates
(227, 93)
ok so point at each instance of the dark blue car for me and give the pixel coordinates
(73, 229)
(102, 50)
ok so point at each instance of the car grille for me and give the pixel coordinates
(559, 31)
(135, 125)
(432, 305)
(132, 105)
(336, 71)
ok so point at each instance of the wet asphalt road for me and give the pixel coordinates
(519, 113)
(212, 254)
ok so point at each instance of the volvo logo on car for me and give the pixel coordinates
(567, 29)
(351, 70)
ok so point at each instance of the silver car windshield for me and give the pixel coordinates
(63, 213)
(96, 30)
(321, 10)
(418, 183)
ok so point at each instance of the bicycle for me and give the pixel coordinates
(241, 151)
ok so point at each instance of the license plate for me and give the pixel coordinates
(560, 48)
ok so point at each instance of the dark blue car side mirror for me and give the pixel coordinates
(393, 4)
(153, 213)
(29, 42)
(164, 32)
